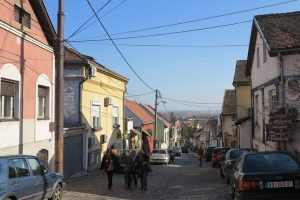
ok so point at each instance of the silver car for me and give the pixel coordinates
(24, 177)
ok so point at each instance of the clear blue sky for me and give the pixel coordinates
(192, 74)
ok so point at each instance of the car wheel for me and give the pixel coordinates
(57, 194)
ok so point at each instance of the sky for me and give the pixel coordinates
(170, 63)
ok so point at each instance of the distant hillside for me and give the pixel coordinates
(188, 114)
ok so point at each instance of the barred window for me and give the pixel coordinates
(22, 16)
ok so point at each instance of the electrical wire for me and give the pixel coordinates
(118, 48)
(163, 34)
(89, 19)
(110, 11)
(138, 95)
(204, 18)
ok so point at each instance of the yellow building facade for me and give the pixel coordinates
(102, 107)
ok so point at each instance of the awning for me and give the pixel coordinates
(240, 121)
(148, 134)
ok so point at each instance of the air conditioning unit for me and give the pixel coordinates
(93, 71)
(108, 101)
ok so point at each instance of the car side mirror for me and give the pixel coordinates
(44, 169)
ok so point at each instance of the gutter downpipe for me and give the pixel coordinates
(85, 136)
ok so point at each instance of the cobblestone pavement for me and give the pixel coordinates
(181, 180)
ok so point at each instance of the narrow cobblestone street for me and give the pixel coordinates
(182, 179)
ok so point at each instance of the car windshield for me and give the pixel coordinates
(274, 162)
(234, 155)
(157, 151)
(176, 148)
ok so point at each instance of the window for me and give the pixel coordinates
(103, 139)
(264, 53)
(272, 98)
(256, 109)
(35, 166)
(22, 16)
(7, 99)
(43, 102)
(257, 57)
(115, 115)
(18, 168)
(96, 110)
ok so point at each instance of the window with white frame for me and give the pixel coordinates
(115, 115)
(272, 98)
(43, 102)
(257, 57)
(96, 115)
(7, 99)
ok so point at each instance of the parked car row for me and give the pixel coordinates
(257, 175)
(165, 156)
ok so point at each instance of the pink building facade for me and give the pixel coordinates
(27, 80)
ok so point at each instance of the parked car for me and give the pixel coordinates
(218, 156)
(229, 161)
(172, 155)
(184, 150)
(25, 177)
(208, 152)
(160, 156)
(265, 175)
(177, 151)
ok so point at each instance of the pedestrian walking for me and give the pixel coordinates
(130, 170)
(110, 164)
(200, 153)
(143, 167)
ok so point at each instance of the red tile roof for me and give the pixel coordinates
(163, 120)
(134, 107)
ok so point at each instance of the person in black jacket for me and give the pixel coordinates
(130, 170)
(109, 164)
(143, 164)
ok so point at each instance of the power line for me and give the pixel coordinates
(138, 95)
(205, 18)
(110, 11)
(89, 19)
(190, 102)
(167, 33)
(118, 48)
(172, 45)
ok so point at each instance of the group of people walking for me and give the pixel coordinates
(136, 167)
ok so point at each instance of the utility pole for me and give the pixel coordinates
(155, 121)
(59, 91)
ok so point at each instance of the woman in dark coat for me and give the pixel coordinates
(109, 164)
(143, 166)
(130, 170)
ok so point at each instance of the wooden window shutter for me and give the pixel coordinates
(8, 88)
(42, 92)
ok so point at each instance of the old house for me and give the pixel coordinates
(27, 80)
(163, 128)
(274, 67)
(141, 135)
(227, 118)
(94, 98)
(243, 122)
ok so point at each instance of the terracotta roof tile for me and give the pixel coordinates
(240, 76)
(280, 30)
(228, 106)
(152, 111)
(134, 107)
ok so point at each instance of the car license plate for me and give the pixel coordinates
(279, 184)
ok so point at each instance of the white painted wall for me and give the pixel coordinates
(266, 71)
